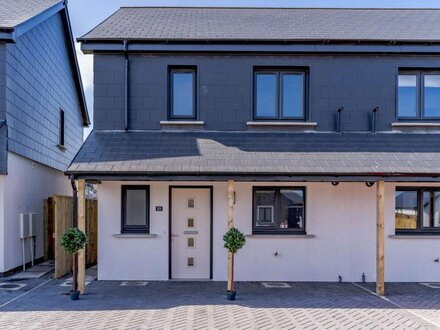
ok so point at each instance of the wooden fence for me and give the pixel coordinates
(58, 214)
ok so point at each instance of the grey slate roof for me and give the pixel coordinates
(15, 12)
(268, 24)
(245, 153)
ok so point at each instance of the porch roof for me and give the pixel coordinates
(257, 154)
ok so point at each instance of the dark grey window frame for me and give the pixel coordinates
(420, 229)
(181, 69)
(420, 91)
(62, 127)
(276, 230)
(280, 72)
(130, 229)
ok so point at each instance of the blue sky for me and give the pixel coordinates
(86, 14)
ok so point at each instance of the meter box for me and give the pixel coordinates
(24, 225)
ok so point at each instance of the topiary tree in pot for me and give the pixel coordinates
(72, 241)
(234, 241)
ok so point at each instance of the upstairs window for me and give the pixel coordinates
(279, 210)
(418, 95)
(62, 129)
(279, 95)
(417, 210)
(182, 83)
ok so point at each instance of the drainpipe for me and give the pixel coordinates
(127, 71)
(75, 202)
(373, 122)
(338, 120)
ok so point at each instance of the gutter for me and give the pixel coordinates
(91, 46)
(246, 177)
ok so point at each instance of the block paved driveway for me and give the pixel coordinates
(202, 305)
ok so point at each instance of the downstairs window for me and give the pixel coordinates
(135, 209)
(278, 210)
(417, 211)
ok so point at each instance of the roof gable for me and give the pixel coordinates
(19, 16)
(188, 24)
(17, 12)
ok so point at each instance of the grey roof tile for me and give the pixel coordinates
(242, 153)
(268, 24)
(15, 12)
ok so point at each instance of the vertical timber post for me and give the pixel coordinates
(380, 238)
(230, 286)
(82, 227)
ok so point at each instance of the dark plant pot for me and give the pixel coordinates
(230, 295)
(74, 295)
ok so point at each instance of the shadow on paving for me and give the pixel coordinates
(110, 295)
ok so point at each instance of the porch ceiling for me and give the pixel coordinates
(257, 154)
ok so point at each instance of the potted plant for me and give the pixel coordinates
(234, 241)
(72, 241)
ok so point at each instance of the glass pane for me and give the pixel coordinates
(291, 209)
(265, 206)
(190, 223)
(266, 98)
(293, 95)
(136, 208)
(407, 94)
(431, 209)
(183, 93)
(432, 96)
(406, 210)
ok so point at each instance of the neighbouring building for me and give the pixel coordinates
(42, 117)
(324, 124)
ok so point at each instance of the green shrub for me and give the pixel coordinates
(73, 240)
(234, 240)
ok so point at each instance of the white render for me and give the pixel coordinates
(23, 190)
(341, 222)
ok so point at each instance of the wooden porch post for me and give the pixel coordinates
(380, 238)
(82, 227)
(230, 225)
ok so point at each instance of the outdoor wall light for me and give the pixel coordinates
(335, 183)
(369, 184)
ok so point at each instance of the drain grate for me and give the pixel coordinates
(134, 283)
(432, 285)
(11, 286)
(279, 285)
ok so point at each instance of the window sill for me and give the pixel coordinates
(415, 236)
(134, 235)
(280, 236)
(415, 124)
(182, 122)
(282, 123)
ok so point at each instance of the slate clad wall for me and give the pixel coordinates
(3, 130)
(39, 82)
(359, 83)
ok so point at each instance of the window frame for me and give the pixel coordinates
(280, 72)
(134, 229)
(420, 94)
(181, 69)
(276, 230)
(420, 230)
(62, 129)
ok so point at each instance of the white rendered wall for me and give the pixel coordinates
(342, 218)
(25, 187)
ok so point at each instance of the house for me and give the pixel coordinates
(315, 131)
(42, 117)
